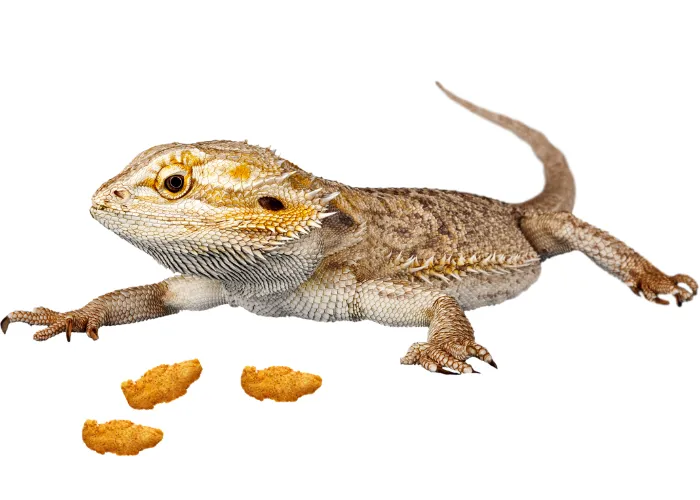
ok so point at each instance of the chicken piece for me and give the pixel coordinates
(280, 383)
(122, 437)
(161, 384)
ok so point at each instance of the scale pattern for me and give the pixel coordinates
(245, 227)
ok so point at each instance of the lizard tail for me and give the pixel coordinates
(559, 191)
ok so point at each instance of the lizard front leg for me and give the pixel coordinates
(120, 307)
(450, 335)
(556, 233)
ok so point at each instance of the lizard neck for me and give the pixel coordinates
(246, 274)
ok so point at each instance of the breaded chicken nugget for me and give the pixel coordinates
(280, 383)
(161, 384)
(122, 437)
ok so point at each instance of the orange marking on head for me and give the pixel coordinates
(241, 171)
(300, 181)
(190, 160)
(147, 182)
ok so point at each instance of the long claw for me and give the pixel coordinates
(493, 363)
(69, 328)
(445, 372)
(92, 333)
(4, 324)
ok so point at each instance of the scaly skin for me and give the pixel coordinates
(247, 228)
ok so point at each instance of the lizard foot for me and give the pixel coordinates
(651, 283)
(74, 321)
(437, 357)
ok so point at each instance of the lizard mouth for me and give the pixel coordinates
(98, 212)
(107, 208)
(100, 209)
(101, 205)
(101, 212)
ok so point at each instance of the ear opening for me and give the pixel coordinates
(270, 203)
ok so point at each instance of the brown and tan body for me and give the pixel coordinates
(243, 227)
(469, 246)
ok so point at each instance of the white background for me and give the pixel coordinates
(597, 391)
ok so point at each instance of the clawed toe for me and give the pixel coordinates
(434, 356)
(449, 359)
(480, 352)
(413, 354)
(53, 330)
(681, 293)
(92, 333)
(55, 323)
(435, 367)
(681, 286)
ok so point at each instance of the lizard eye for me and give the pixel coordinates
(174, 183)
(270, 203)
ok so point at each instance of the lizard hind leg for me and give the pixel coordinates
(561, 232)
(450, 342)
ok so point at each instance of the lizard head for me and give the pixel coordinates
(215, 197)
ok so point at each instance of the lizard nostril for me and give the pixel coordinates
(121, 194)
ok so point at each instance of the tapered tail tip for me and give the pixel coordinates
(4, 324)
(452, 96)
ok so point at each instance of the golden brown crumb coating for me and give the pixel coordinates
(161, 384)
(122, 437)
(280, 383)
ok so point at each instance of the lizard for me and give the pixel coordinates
(239, 225)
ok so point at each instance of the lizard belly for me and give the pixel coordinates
(480, 290)
(327, 296)
(330, 297)
(324, 297)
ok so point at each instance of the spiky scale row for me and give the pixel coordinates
(457, 267)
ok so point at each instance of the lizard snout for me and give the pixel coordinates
(121, 194)
(111, 196)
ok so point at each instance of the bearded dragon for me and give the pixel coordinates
(242, 226)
